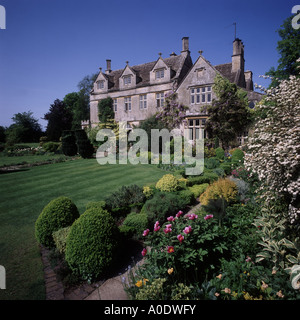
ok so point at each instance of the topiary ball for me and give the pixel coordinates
(92, 243)
(58, 213)
(168, 183)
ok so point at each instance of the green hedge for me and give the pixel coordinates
(58, 213)
(162, 205)
(198, 189)
(92, 243)
(138, 222)
(60, 238)
(207, 177)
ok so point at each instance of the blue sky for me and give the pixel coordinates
(50, 45)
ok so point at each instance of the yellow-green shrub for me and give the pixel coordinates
(222, 188)
(148, 192)
(198, 189)
(168, 183)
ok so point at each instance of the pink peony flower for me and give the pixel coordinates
(144, 252)
(156, 226)
(180, 238)
(187, 230)
(179, 213)
(169, 226)
(208, 216)
(171, 218)
(146, 232)
(170, 249)
(167, 230)
(192, 216)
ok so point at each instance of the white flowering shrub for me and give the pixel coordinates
(274, 147)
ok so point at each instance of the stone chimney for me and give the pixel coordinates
(185, 44)
(108, 66)
(238, 61)
(248, 80)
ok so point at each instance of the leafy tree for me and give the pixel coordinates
(228, 115)
(289, 50)
(59, 119)
(24, 129)
(2, 134)
(151, 123)
(105, 110)
(78, 105)
(172, 113)
(86, 84)
(274, 146)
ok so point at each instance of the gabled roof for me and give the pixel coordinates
(179, 66)
(225, 70)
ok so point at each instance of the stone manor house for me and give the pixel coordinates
(139, 91)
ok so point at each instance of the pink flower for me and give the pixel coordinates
(169, 226)
(192, 216)
(170, 249)
(187, 230)
(180, 238)
(146, 232)
(167, 230)
(171, 218)
(179, 213)
(144, 252)
(156, 226)
(208, 216)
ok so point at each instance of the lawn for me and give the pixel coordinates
(24, 193)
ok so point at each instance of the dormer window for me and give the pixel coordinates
(159, 74)
(100, 84)
(127, 80)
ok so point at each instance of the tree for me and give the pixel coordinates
(274, 146)
(78, 105)
(229, 114)
(289, 50)
(151, 123)
(172, 113)
(59, 119)
(24, 129)
(2, 134)
(105, 110)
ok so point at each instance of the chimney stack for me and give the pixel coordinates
(185, 44)
(238, 61)
(108, 66)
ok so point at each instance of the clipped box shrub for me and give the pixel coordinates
(138, 222)
(92, 243)
(58, 213)
(85, 148)
(60, 239)
(168, 183)
(237, 156)
(198, 189)
(222, 189)
(69, 147)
